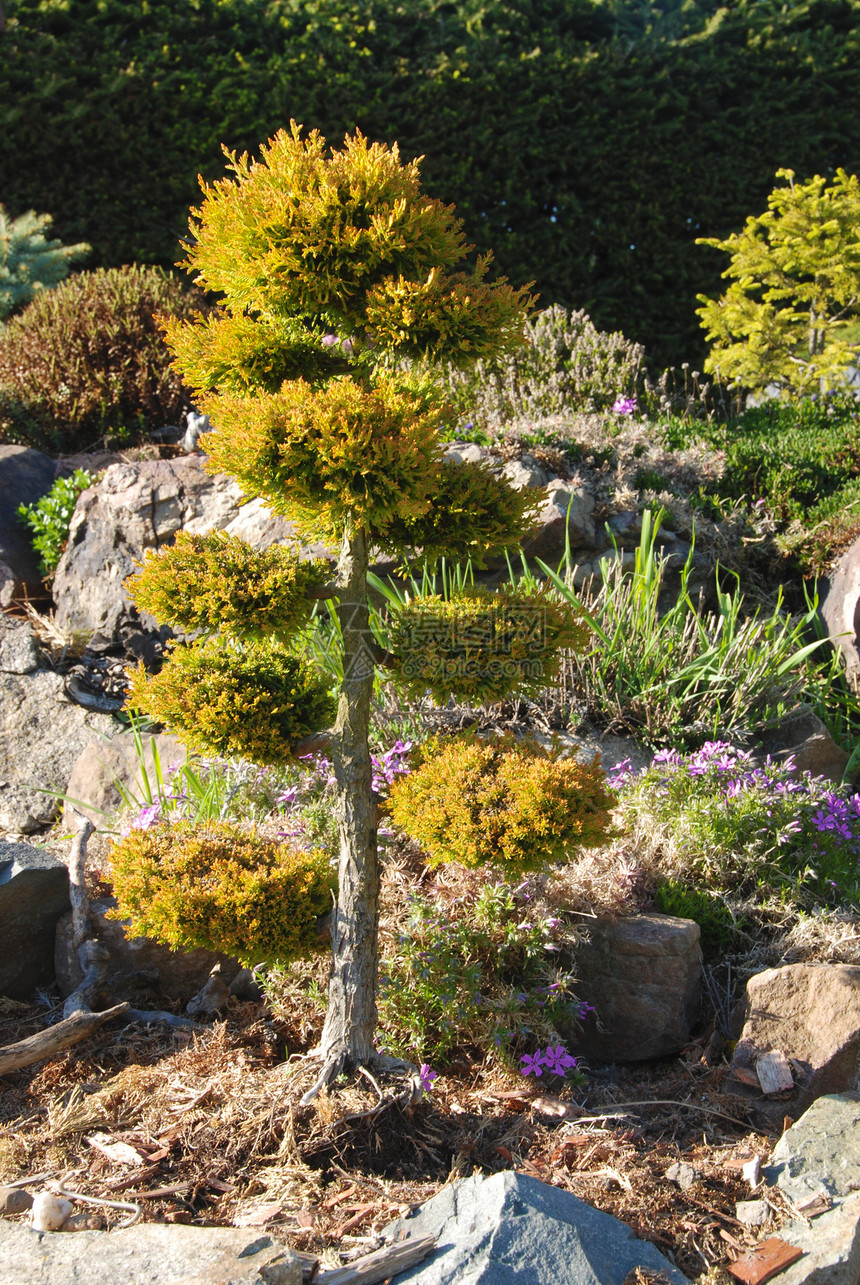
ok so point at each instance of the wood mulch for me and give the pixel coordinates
(208, 1129)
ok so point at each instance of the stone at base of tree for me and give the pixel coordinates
(820, 1155)
(103, 766)
(643, 975)
(142, 506)
(27, 476)
(41, 735)
(510, 1229)
(137, 963)
(34, 893)
(804, 738)
(146, 1254)
(809, 1012)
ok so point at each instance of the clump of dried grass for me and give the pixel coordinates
(823, 936)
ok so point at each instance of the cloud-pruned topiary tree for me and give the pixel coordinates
(343, 287)
(790, 315)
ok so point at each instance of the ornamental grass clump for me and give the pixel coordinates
(501, 802)
(222, 888)
(725, 823)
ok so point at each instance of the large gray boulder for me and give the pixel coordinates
(146, 1254)
(642, 975)
(41, 735)
(820, 1156)
(142, 506)
(840, 606)
(34, 893)
(27, 476)
(510, 1229)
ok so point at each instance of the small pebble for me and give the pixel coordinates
(682, 1173)
(84, 1222)
(752, 1171)
(14, 1200)
(753, 1213)
(49, 1212)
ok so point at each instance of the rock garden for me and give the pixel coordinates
(429, 830)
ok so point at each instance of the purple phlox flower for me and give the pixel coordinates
(759, 504)
(670, 757)
(734, 788)
(552, 923)
(533, 1064)
(427, 1075)
(558, 1060)
(288, 797)
(585, 1008)
(146, 817)
(823, 820)
(624, 405)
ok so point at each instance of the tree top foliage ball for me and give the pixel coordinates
(341, 284)
(794, 290)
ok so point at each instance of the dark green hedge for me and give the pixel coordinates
(587, 143)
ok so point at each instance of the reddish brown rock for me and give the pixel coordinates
(811, 1013)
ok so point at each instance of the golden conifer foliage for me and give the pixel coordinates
(501, 802)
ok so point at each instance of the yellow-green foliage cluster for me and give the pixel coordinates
(333, 269)
(243, 701)
(347, 237)
(481, 646)
(502, 802)
(221, 888)
(218, 582)
(473, 513)
(327, 456)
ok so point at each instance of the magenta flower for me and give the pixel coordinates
(624, 405)
(533, 1064)
(427, 1075)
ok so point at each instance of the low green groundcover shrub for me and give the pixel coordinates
(50, 517)
(722, 823)
(795, 462)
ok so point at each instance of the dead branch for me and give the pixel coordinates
(382, 1263)
(54, 1038)
(81, 926)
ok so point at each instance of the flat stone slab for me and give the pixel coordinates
(147, 1254)
(34, 893)
(510, 1229)
(821, 1152)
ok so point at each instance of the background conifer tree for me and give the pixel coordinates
(342, 288)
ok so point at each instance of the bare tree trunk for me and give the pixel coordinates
(350, 1025)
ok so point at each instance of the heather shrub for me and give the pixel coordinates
(49, 518)
(217, 581)
(87, 359)
(222, 888)
(566, 364)
(243, 700)
(480, 645)
(502, 802)
(480, 969)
